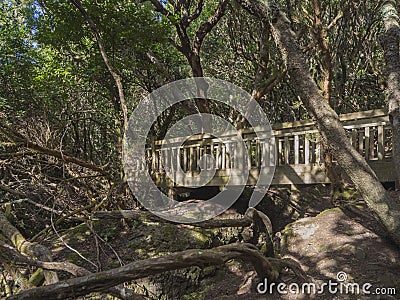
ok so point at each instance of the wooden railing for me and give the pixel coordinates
(298, 149)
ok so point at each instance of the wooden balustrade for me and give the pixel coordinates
(298, 153)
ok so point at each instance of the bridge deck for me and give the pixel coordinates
(299, 157)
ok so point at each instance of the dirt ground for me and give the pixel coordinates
(335, 245)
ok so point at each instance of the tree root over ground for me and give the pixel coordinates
(269, 268)
(110, 281)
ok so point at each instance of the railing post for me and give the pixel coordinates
(366, 134)
(218, 156)
(272, 153)
(381, 150)
(372, 143)
(212, 154)
(279, 151)
(223, 164)
(185, 159)
(198, 149)
(191, 158)
(296, 149)
(306, 150)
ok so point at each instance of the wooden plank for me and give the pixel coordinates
(352, 120)
(372, 143)
(174, 161)
(306, 150)
(212, 154)
(185, 159)
(223, 158)
(366, 134)
(273, 160)
(279, 152)
(362, 125)
(296, 150)
(381, 148)
(153, 161)
(198, 155)
(296, 174)
(370, 114)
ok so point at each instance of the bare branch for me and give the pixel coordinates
(24, 141)
(207, 26)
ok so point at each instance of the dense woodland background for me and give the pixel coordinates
(72, 71)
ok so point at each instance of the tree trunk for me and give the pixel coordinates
(328, 123)
(333, 173)
(390, 43)
(25, 247)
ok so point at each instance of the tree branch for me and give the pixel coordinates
(189, 19)
(32, 249)
(102, 281)
(19, 138)
(142, 215)
(207, 26)
(110, 67)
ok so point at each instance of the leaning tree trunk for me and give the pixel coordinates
(328, 123)
(390, 43)
(27, 248)
(333, 173)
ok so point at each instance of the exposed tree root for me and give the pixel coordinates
(144, 215)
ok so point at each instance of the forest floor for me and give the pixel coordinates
(325, 240)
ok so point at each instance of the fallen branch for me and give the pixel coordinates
(148, 216)
(102, 281)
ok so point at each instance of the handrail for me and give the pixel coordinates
(297, 143)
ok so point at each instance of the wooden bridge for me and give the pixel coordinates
(299, 155)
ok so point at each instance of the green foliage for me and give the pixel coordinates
(56, 90)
